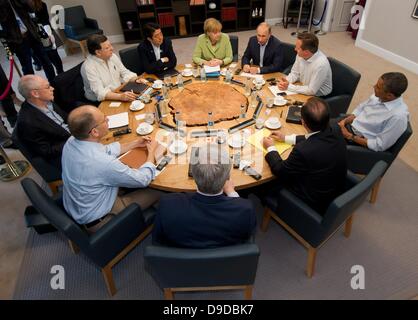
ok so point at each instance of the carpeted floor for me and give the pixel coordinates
(383, 241)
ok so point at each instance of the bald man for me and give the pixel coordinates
(41, 125)
(264, 53)
(92, 172)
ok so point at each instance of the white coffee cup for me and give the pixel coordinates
(158, 83)
(274, 121)
(187, 72)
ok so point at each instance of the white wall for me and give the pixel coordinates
(390, 32)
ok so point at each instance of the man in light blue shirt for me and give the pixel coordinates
(92, 172)
(379, 122)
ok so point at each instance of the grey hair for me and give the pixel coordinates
(27, 84)
(212, 169)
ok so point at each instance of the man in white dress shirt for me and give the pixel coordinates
(379, 122)
(103, 72)
(311, 67)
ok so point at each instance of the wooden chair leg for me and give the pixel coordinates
(168, 294)
(266, 219)
(83, 44)
(248, 294)
(74, 248)
(108, 277)
(375, 190)
(310, 268)
(348, 226)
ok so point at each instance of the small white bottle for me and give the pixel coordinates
(202, 74)
(210, 120)
(228, 76)
(180, 84)
(256, 12)
(261, 12)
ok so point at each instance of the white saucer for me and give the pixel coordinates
(184, 74)
(280, 102)
(178, 147)
(136, 105)
(155, 86)
(262, 83)
(269, 125)
(144, 129)
(236, 144)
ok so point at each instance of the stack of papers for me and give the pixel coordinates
(256, 139)
(250, 75)
(275, 90)
(212, 71)
(118, 120)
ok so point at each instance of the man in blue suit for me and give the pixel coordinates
(156, 52)
(264, 51)
(214, 216)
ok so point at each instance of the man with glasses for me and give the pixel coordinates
(103, 72)
(41, 124)
(92, 172)
(156, 52)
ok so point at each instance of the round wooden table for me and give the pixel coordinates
(174, 178)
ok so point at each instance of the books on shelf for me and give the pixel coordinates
(229, 14)
(166, 19)
(197, 2)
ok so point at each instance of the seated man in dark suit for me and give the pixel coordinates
(265, 51)
(316, 169)
(214, 216)
(156, 52)
(41, 124)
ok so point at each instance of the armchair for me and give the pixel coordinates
(234, 44)
(289, 56)
(109, 244)
(131, 60)
(310, 228)
(78, 27)
(344, 85)
(361, 160)
(48, 172)
(182, 269)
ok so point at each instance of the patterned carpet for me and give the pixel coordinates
(383, 240)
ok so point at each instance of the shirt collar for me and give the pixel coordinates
(265, 44)
(209, 195)
(97, 59)
(313, 58)
(390, 105)
(43, 110)
(307, 136)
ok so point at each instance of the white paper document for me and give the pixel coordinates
(118, 120)
(209, 69)
(250, 75)
(114, 104)
(275, 90)
(140, 117)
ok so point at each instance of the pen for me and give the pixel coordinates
(281, 114)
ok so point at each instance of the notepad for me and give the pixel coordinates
(256, 138)
(209, 69)
(118, 120)
(275, 90)
(250, 75)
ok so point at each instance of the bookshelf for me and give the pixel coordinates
(185, 18)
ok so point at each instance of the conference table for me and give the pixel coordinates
(174, 177)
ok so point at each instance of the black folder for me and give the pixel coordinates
(137, 88)
(294, 115)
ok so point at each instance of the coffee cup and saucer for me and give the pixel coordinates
(158, 84)
(273, 123)
(144, 129)
(136, 105)
(178, 147)
(236, 141)
(280, 101)
(187, 73)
